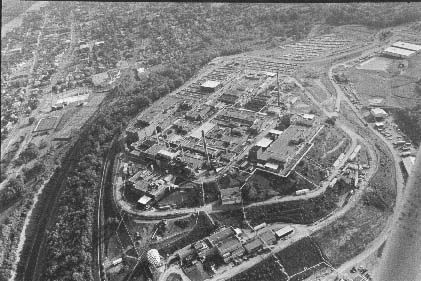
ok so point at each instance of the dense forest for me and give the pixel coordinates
(69, 241)
(409, 121)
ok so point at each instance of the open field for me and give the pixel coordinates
(396, 86)
(262, 186)
(328, 145)
(299, 257)
(300, 211)
(350, 234)
(376, 63)
(201, 229)
(267, 270)
(46, 124)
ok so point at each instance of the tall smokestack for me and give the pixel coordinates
(277, 81)
(205, 148)
(156, 134)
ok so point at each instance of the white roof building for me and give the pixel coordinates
(284, 231)
(211, 84)
(398, 52)
(144, 200)
(265, 142)
(275, 132)
(206, 127)
(378, 112)
(308, 116)
(408, 46)
(168, 154)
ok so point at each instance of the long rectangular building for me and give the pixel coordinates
(398, 52)
(407, 46)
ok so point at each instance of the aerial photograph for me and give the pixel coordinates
(221, 141)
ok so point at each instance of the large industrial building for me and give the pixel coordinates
(402, 50)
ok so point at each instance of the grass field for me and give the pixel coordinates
(267, 270)
(299, 257)
(350, 234)
(300, 211)
(200, 230)
(328, 145)
(263, 186)
(376, 64)
(45, 124)
(396, 86)
(187, 198)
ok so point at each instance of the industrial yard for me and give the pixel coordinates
(246, 145)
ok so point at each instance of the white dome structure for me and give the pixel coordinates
(153, 257)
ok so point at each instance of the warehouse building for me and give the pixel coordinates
(407, 46)
(398, 52)
(284, 232)
(253, 245)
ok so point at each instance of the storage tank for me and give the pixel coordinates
(153, 257)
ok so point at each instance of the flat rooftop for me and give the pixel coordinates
(408, 46)
(399, 51)
(280, 150)
(210, 84)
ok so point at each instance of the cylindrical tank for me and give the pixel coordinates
(153, 257)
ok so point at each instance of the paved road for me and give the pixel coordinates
(374, 245)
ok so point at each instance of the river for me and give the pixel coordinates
(17, 21)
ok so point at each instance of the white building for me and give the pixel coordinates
(378, 113)
(398, 52)
(407, 46)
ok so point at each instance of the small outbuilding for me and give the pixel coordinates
(210, 86)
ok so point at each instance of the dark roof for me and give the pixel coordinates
(221, 235)
(253, 244)
(229, 245)
(268, 236)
